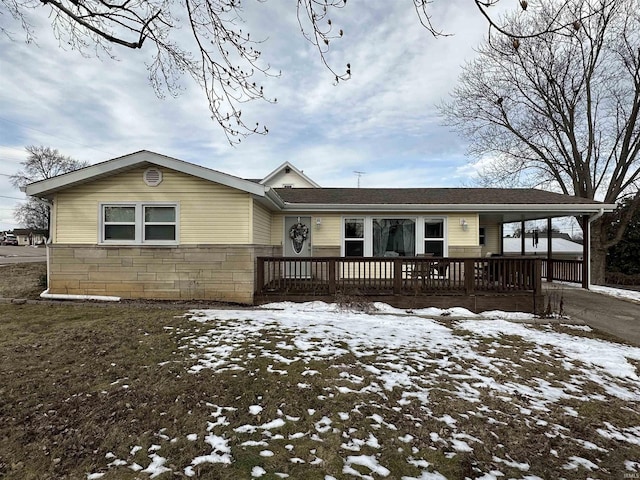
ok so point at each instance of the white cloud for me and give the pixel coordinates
(382, 121)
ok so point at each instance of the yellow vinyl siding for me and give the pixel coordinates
(327, 235)
(459, 237)
(261, 224)
(209, 213)
(330, 231)
(492, 239)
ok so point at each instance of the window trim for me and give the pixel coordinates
(482, 236)
(139, 223)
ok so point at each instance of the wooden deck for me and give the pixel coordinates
(512, 283)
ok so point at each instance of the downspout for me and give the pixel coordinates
(63, 296)
(49, 236)
(592, 219)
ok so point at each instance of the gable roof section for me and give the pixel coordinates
(134, 160)
(266, 179)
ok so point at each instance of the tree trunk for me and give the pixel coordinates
(598, 251)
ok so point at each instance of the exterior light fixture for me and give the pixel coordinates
(464, 224)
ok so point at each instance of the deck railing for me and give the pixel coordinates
(562, 270)
(398, 276)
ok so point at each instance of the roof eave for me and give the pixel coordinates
(453, 207)
(114, 166)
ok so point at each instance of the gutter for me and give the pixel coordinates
(448, 207)
(592, 218)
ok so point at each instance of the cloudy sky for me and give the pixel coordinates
(383, 121)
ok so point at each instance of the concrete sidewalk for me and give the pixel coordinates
(617, 317)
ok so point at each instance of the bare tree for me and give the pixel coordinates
(560, 110)
(222, 58)
(41, 163)
(32, 214)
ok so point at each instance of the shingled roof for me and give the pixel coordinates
(427, 196)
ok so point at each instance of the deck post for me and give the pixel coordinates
(586, 245)
(332, 276)
(397, 275)
(549, 251)
(469, 275)
(537, 276)
(259, 274)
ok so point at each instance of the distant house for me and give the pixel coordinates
(150, 226)
(29, 236)
(562, 247)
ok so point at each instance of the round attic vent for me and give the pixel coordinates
(152, 177)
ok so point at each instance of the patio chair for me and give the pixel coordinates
(430, 273)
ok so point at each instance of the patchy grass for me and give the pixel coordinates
(132, 391)
(23, 280)
(89, 389)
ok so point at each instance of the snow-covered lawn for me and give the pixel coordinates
(425, 395)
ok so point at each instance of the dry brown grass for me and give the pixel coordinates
(22, 280)
(80, 381)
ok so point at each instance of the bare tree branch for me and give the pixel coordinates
(226, 61)
(564, 109)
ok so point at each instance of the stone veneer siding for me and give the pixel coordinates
(198, 272)
(465, 252)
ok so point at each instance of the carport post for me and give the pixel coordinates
(586, 245)
(549, 251)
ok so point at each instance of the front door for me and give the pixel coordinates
(297, 243)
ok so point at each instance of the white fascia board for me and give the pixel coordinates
(127, 162)
(569, 209)
(274, 198)
(213, 176)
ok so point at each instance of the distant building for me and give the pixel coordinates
(561, 247)
(30, 236)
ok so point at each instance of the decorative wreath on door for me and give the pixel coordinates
(298, 233)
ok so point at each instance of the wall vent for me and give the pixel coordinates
(152, 177)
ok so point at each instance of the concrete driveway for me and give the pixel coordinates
(617, 317)
(11, 254)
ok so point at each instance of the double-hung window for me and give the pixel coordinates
(434, 237)
(139, 223)
(119, 223)
(354, 237)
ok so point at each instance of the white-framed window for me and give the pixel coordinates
(118, 223)
(139, 223)
(353, 234)
(389, 236)
(394, 237)
(434, 237)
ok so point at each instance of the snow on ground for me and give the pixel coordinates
(616, 292)
(610, 291)
(410, 353)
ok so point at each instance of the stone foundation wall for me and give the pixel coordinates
(198, 272)
(326, 251)
(465, 252)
